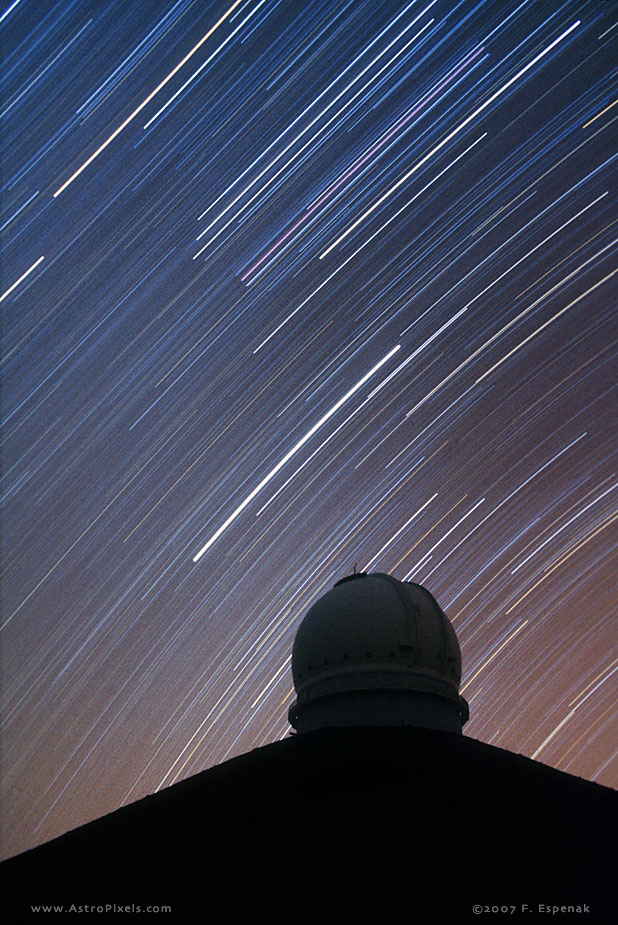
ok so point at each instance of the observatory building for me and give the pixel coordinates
(376, 651)
(376, 804)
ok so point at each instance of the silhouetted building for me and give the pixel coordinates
(379, 806)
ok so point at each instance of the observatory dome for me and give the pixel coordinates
(376, 651)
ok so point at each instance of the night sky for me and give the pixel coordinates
(291, 288)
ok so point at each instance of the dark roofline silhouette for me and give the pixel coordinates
(351, 817)
(373, 814)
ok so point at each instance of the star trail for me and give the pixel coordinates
(288, 289)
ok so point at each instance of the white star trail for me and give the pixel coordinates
(297, 446)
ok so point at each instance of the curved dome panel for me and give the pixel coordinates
(370, 634)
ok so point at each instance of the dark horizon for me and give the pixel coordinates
(455, 823)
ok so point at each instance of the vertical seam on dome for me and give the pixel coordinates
(409, 613)
(441, 617)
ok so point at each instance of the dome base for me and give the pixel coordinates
(380, 708)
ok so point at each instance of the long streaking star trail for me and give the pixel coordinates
(448, 138)
(21, 278)
(145, 102)
(297, 446)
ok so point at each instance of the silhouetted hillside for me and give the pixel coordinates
(347, 820)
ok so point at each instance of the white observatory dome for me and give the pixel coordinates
(376, 651)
